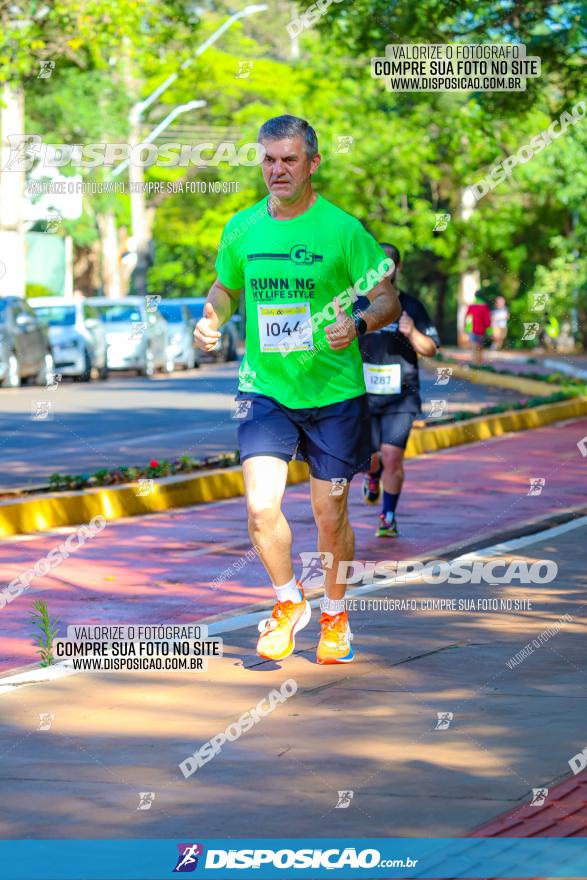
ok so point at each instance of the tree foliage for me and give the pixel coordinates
(395, 160)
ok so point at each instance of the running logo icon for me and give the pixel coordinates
(337, 486)
(312, 568)
(145, 488)
(443, 375)
(53, 381)
(23, 150)
(539, 795)
(345, 143)
(244, 69)
(47, 68)
(146, 799)
(187, 859)
(45, 720)
(537, 484)
(538, 301)
(437, 409)
(53, 222)
(41, 410)
(138, 328)
(444, 719)
(441, 223)
(242, 409)
(344, 800)
(530, 330)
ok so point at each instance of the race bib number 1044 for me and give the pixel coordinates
(285, 326)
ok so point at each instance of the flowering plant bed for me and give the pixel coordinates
(525, 403)
(185, 464)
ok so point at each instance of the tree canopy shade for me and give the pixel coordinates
(86, 33)
(526, 234)
(395, 160)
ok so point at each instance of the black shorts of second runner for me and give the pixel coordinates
(391, 421)
(330, 438)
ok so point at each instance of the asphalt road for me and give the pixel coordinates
(128, 420)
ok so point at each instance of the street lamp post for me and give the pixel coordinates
(139, 224)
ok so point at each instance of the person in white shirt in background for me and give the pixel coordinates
(499, 322)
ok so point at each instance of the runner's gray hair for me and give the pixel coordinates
(288, 127)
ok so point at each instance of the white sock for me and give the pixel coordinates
(332, 606)
(289, 592)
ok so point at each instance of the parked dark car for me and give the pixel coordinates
(25, 352)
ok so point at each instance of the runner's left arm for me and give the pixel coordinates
(369, 267)
(384, 306)
(421, 332)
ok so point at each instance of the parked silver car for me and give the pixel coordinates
(136, 335)
(226, 347)
(181, 346)
(76, 334)
(25, 351)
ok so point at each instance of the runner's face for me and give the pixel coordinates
(286, 167)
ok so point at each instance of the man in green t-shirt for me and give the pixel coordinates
(302, 263)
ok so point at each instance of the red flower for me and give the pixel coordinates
(153, 463)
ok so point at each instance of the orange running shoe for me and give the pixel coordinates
(335, 641)
(278, 632)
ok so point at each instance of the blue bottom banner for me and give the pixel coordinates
(276, 858)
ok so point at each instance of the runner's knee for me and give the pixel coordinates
(331, 517)
(393, 459)
(263, 514)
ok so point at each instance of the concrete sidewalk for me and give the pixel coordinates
(367, 728)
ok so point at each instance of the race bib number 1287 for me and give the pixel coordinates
(383, 379)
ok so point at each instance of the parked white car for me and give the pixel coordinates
(136, 335)
(76, 334)
(180, 334)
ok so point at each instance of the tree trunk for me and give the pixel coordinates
(12, 182)
(110, 267)
(442, 288)
(138, 211)
(136, 176)
(470, 279)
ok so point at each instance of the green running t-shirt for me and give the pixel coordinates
(291, 270)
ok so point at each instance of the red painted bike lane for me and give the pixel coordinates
(161, 568)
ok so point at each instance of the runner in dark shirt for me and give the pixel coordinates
(390, 364)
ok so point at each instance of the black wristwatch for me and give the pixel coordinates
(360, 324)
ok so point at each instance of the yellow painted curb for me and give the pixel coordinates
(533, 387)
(40, 513)
(485, 427)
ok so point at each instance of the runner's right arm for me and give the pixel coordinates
(221, 303)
